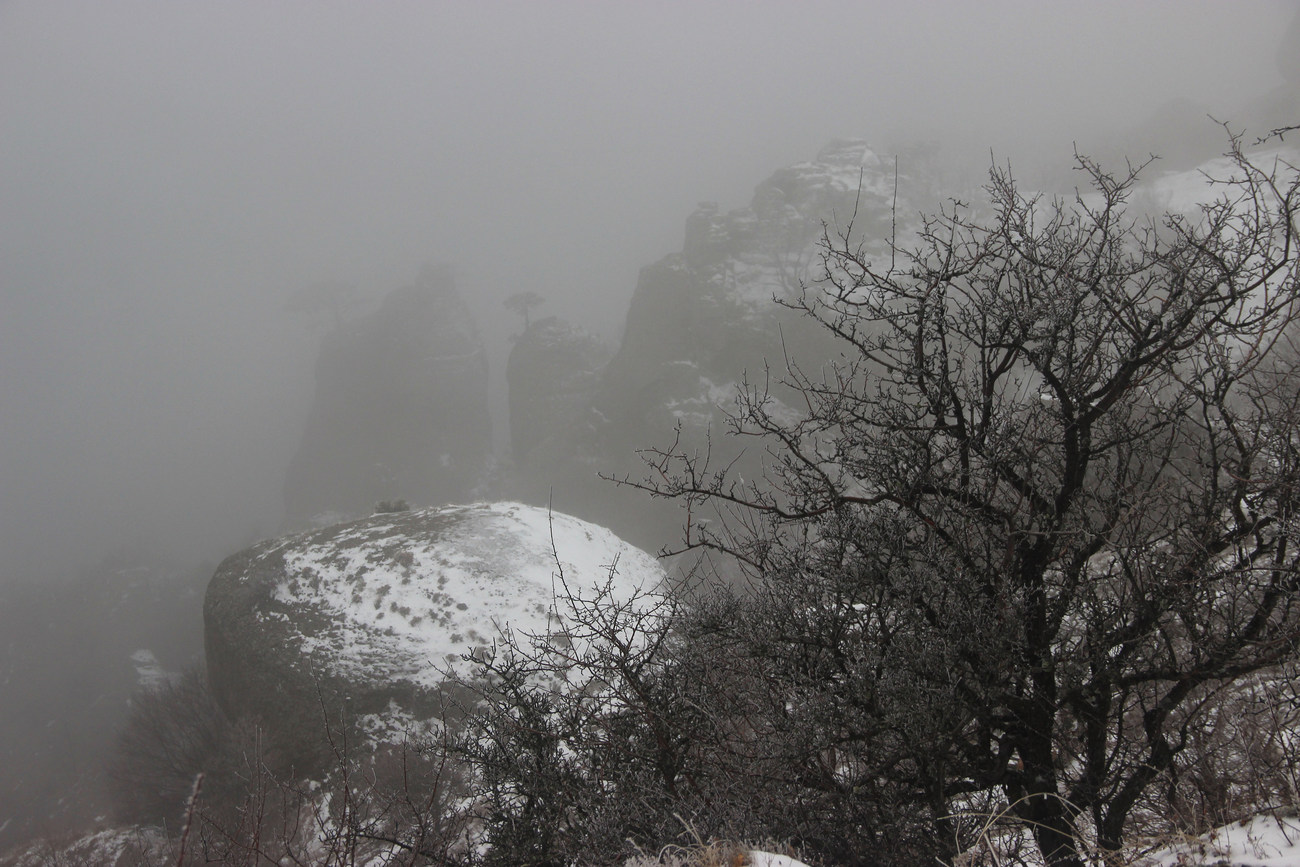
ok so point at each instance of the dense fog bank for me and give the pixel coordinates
(172, 174)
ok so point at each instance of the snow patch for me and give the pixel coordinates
(1266, 840)
(758, 858)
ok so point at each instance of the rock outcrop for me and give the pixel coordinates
(370, 619)
(400, 410)
(552, 376)
(701, 317)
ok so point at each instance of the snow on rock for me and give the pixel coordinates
(768, 250)
(1184, 192)
(149, 672)
(410, 605)
(718, 852)
(110, 847)
(375, 615)
(759, 858)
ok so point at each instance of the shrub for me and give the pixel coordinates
(174, 733)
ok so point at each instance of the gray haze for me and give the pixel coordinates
(170, 173)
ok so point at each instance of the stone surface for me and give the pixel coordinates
(552, 375)
(371, 618)
(400, 410)
(701, 318)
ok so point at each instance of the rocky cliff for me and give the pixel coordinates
(552, 376)
(701, 317)
(400, 409)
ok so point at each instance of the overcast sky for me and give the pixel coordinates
(170, 172)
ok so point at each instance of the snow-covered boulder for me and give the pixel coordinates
(371, 618)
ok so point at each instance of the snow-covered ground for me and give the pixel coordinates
(1265, 840)
(1184, 192)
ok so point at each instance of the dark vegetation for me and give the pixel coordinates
(1035, 522)
(224, 793)
(1032, 532)
(177, 732)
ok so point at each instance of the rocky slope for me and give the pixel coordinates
(400, 410)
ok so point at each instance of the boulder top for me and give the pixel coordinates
(400, 597)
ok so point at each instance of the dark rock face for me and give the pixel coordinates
(701, 317)
(552, 375)
(364, 622)
(400, 410)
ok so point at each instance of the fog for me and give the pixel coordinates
(171, 173)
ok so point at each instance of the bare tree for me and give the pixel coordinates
(523, 304)
(1039, 513)
(224, 795)
(175, 733)
(580, 738)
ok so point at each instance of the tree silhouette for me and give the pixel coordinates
(523, 303)
(1039, 512)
